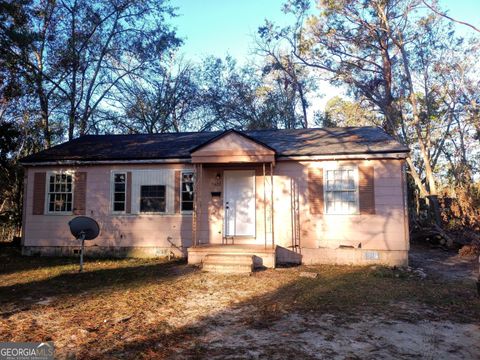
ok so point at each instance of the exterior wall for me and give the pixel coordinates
(129, 234)
(381, 237)
(319, 238)
(355, 237)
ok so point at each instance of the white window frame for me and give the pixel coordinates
(47, 192)
(112, 191)
(333, 167)
(140, 212)
(181, 191)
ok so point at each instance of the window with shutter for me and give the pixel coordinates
(60, 193)
(119, 192)
(341, 190)
(187, 191)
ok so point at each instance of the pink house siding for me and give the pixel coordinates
(385, 230)
(117, 230)
(319, 236)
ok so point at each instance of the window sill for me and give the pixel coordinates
(342, 214)
(63, 213)
(149, 214)
(346, 214)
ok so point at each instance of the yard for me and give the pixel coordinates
(156, 309)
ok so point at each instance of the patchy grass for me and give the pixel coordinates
(137, 308)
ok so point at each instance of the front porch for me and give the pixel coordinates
(232, 222)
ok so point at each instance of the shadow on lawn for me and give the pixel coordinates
(11, 261)
(71, 282)
(348, 295)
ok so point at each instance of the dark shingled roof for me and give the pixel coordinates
(289, 142)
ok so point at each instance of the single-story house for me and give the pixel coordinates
(327, 195)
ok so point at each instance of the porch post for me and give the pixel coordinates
(264, 206)
(194, 215)
(271, 205)
(199, 197)
(197, 207)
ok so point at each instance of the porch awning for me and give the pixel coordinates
(232, 147)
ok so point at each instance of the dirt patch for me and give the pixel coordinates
(327, 336)
(446, 264)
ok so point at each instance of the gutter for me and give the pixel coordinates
(402, 155)
(109, 162)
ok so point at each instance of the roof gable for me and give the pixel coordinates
(232, 146)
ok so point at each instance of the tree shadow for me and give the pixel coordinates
(71, 283)
(231, 332)
(11, 261)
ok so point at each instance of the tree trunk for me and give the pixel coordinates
(44, 116)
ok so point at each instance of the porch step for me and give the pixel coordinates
(228, 263)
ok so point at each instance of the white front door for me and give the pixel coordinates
(239, 202)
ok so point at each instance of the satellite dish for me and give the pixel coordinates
(83, 228)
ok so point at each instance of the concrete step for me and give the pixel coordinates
(229, 258)
(228, 263)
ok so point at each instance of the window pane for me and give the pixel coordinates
(152, 198)
(118, 197)
(153, 190)
(60, 193)
(187, 206)
(187, 187)
(350, 196)
(119, 191)
(340, 192)
(152, 205)
(119, 187)
(119, 178)
(187, 196)
(118, 206)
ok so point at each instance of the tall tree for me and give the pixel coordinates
(384, 51)
(341, 112)
(161, 100)
(79, 50)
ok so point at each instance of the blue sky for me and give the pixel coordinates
(218, 27)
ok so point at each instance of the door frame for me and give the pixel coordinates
(254, 235)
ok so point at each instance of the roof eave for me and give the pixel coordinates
(70, 162)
